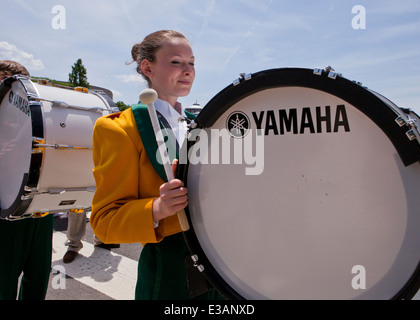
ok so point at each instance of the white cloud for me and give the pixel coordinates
(11, 52)
(116, 94)
(130, 78)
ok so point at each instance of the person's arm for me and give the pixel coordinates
(119, 213)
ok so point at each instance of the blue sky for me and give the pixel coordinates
(228, 38)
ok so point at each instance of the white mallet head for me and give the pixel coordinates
(148, 96)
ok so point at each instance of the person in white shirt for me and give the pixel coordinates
(131, 204)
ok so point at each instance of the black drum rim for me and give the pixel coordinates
(360, 97)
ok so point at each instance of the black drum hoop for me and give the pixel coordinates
(351, 92)
(360, 97)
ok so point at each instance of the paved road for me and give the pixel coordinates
(96, 273)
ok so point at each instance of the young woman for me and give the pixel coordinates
(132, 203)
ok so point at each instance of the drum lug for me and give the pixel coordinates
(27, 197)
(359, 84)
(329, 71)
(29, 193)
(246, 76)
(200, 267)
(333, 75)
(400, 121)
(411, 134)
(243, 76)
(318, 71)
(410, 123)
(36, 144)
(33, 99)
(29, 189)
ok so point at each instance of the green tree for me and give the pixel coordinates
(121, 105)
(78, 77)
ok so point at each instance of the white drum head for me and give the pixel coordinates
(333, 214)
(15, 143)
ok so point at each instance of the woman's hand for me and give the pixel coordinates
(173, 198)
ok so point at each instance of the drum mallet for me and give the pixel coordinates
(148, 97)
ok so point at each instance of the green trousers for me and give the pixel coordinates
(162, 274)
(25, 247)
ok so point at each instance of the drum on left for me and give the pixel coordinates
(45, 147)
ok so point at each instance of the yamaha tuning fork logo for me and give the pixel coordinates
(238, 124)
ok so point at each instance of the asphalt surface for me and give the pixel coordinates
(96, 273)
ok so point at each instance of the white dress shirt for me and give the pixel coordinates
(175, 120)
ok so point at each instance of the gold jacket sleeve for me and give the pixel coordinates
(126, 184)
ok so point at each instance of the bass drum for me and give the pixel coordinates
(304, 185)
(45, 147)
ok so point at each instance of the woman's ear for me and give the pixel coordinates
(146, 67)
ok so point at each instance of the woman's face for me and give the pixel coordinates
(172, 73)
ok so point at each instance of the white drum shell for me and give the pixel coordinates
(68, 168)
(65, 176)
(325, 204)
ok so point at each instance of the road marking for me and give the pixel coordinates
(104, 270)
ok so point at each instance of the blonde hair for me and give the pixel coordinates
(149, 46)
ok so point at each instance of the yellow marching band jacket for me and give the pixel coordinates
(126, 184)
